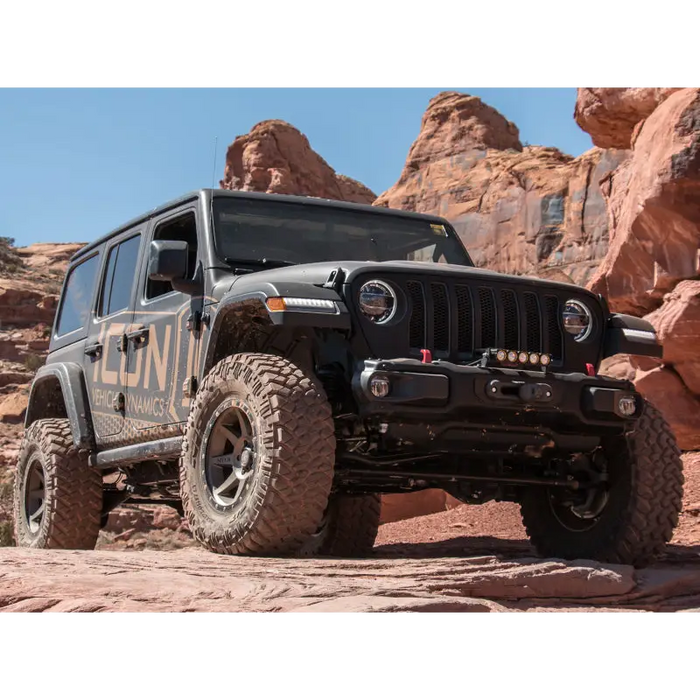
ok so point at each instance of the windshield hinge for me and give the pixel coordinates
(335, 280)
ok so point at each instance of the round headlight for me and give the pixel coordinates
(377, 301)
(577, 319)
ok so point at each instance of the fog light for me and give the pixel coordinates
(512, 356)
(627, 405)
(501, 355)
(534, 358)
(522, 358)
(545, 359)
(379, 386)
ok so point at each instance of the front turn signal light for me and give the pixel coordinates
(300, 304)
(276, 303)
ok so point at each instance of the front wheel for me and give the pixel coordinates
(257, 457)
(628, 505)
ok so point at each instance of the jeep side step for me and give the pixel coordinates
(166, 448)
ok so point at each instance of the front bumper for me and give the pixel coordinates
(447, 391)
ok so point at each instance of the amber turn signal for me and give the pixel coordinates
(276, 303)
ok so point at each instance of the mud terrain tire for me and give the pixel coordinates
(71, 507)
(292, 440)
(645, 498)
(349, 527)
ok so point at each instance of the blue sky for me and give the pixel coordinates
(76, 163)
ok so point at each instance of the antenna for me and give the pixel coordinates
(213, 172)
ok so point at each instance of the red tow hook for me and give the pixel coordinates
(427, 356)
(590, 369)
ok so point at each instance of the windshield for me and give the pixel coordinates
(270, 232)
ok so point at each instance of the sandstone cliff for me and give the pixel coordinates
(276, 158)
(519, 210)
(28, 296)
(610, 115)
(652, 264)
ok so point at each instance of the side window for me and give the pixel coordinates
(77, 297)
(119, 276)
(183, 228)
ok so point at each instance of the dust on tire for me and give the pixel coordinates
(73, 490)
(294, 460)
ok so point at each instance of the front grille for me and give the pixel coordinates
(441, 318)
(456, 320)
(417, 325)
(488, 317)
(464, 319)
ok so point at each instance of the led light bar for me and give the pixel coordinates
(516, 358)
(300, 304)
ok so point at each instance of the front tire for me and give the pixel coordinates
(57, 495)
(633, 519)
(258, 457)
(349, 527)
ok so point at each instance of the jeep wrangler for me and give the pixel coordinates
(271, 365)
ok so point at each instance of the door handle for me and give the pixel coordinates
(138, 334)
(94, 350)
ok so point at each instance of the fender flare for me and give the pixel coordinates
(632, 336)
(75, 399)
(252, 303)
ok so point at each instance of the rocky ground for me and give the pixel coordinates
(194, 580)
(468, 559)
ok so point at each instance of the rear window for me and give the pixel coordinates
(77, 297)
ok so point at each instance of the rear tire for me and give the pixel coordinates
(642, 503)
(257, 457)
(57, 495)
(349, 527)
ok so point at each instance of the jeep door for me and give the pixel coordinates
(74, 314)
(163, 351)
(105, 349)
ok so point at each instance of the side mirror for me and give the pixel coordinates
(168, 262)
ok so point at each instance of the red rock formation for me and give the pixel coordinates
(654, 209)
(677, 323)
(276, 158)
(29, 290)
(610, 115)
(455, 122)
(47, 262)
(519, 210)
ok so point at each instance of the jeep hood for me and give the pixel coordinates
(283, 279)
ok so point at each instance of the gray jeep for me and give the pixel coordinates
(271, 365)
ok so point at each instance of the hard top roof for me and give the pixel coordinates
(207, 194)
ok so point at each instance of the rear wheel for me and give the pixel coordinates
(349, 527)
(258, 457)
(57, 495)
(627, 506)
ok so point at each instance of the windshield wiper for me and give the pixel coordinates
(260, 262)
